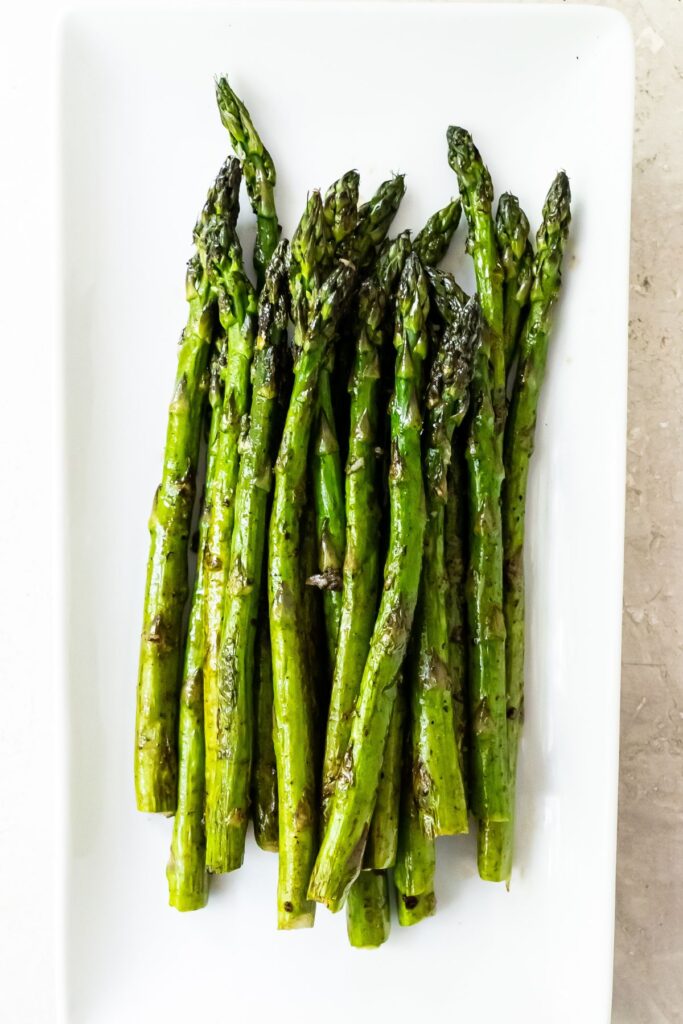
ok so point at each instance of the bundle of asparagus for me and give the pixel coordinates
(351, 674)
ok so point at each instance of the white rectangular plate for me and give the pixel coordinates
(332, 86)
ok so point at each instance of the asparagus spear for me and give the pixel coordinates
(380, 850)
(446, 294)
(372, 223)
(312, 251)
(227, 831)
(374, 218)
(294, 739)
(259, 173)
(264, 774)
(415, 860)
(362, 558)
(413, 909)
(432, 242)
(496, 841)
(156, 755)
(342, 848)
(367, 910)
(237, 311)
(331, 519)
(341, 206)
(516, 257)
(437, 776)
(488, 712)
(448, 299)
(317, 665)
(361, 566)
(455, 558)
(476, 193)
(186, 871)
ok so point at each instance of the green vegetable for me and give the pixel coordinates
(516, 257)
(341, 852)
(415, 860)
(437, 775)
(328, 491)
(264, 809)
(496, 842)
(361, 574)
(341, 206)
(367, 910)
(455, 561)
(188, 887)
(259, 173)
(312, 251)
(374, 219)
(241, 599)
(358, 234)
(156, 727)
(446, 294)
(293, 699)
(413, 909)
(476, 193)
(490, 781)
(431, 244)
(380, 849)
(237, 308)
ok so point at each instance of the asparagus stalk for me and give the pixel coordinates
(488, 709)
(294, 727)
(516, 257)
(313, 248)
(496, 841)
(361, 566)
(415, 860)
(437, 776)
(367, 910)
(264, 775)
(312, 251)
(361, 571)
(237, 307)
(380, 850)
(330, 517)
(186, 871)
(371, 224)
(476, 193)
(340, 206)
(448, 298)
(446, 294)
(259, 173)
(156, 728)
(341, 852)
(241, 600)
(413, 909)
(455, 559)
(431, 243)
(374, 219)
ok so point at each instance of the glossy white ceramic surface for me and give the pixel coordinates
(332, 86)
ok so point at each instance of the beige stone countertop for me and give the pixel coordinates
(648, 967)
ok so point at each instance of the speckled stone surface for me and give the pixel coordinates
(648, 968)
